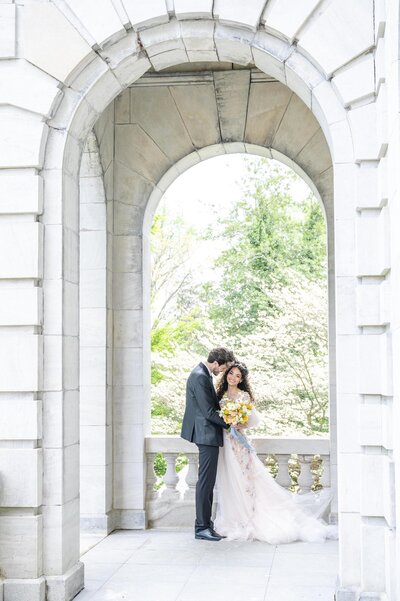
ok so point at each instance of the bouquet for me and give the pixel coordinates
(236, 412)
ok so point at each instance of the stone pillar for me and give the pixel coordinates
(21, 349)
(60, 510)
(388, 69)
(131, 423)
(364, 355)
(95, 397)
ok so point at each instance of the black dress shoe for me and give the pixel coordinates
(207, 534)
(216, 533)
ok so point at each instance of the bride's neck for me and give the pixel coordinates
(232, 390)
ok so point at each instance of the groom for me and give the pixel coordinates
(203, 426)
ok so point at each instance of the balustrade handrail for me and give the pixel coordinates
(300, 464)
(263, 444)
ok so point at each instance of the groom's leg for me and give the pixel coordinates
(208, 461)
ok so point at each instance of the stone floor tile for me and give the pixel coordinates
(130, 591)
(155, 565)
(299, 593)
(230, 590)
(91, 587)
(330, 546)
(142, 574)
(88, 541)
(100, 571)
(223, 576)
(166, 557)
(100, 554)
(239, 557)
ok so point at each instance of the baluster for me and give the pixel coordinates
(271, 463)
(151, 477)
(316, 470)
(191, 476)
(294, 469)
(171, 478)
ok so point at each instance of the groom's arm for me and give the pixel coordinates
(202, 396)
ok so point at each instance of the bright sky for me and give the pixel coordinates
(205, 192)
(209, 187)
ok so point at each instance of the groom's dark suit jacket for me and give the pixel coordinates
(201, 422)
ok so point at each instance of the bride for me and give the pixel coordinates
(251, 505)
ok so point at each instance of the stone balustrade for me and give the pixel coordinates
(301, 464)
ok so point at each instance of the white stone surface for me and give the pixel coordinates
(24, 136)
(287, 17)
(371, 424)
(372, 474)
(20, 420)
(367, 186)
(20, 306)
(60, 419)
(21, 477)
(328, 104)
(17, 76)
(43, 31)
(162, 38)
(7, 30)
(154, 108)
(357, 81)
(20, 356)
(349, 548)
(332, 40)
(146, 13)
(128, 367)
(232, 92)
(369, 305)
(102, 23)
(371, 379)
(93, 366)
(32, 589)
(235, 11)
(21, 192)
(301, 77)
(193, 9)
(20, 546)
(96, 445)
(233, 46)
(367, 145)
(372, 254)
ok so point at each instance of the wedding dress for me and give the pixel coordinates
(252, 505)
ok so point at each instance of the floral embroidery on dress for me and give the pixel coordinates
(245, 460)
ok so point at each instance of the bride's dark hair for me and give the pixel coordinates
(244, 385)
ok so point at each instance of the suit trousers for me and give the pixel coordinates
(208, 461)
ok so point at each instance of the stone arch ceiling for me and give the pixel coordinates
(166, 116)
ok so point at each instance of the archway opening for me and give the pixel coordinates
(239, 258)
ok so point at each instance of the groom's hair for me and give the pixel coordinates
(221, 355)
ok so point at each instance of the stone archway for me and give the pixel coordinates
(89, 79)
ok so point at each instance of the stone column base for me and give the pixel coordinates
(28, 589)
(353, 594)
(130, 519)
(66, 586)
(102, 524)
(347, 594)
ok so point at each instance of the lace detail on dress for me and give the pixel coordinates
(245, 460)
